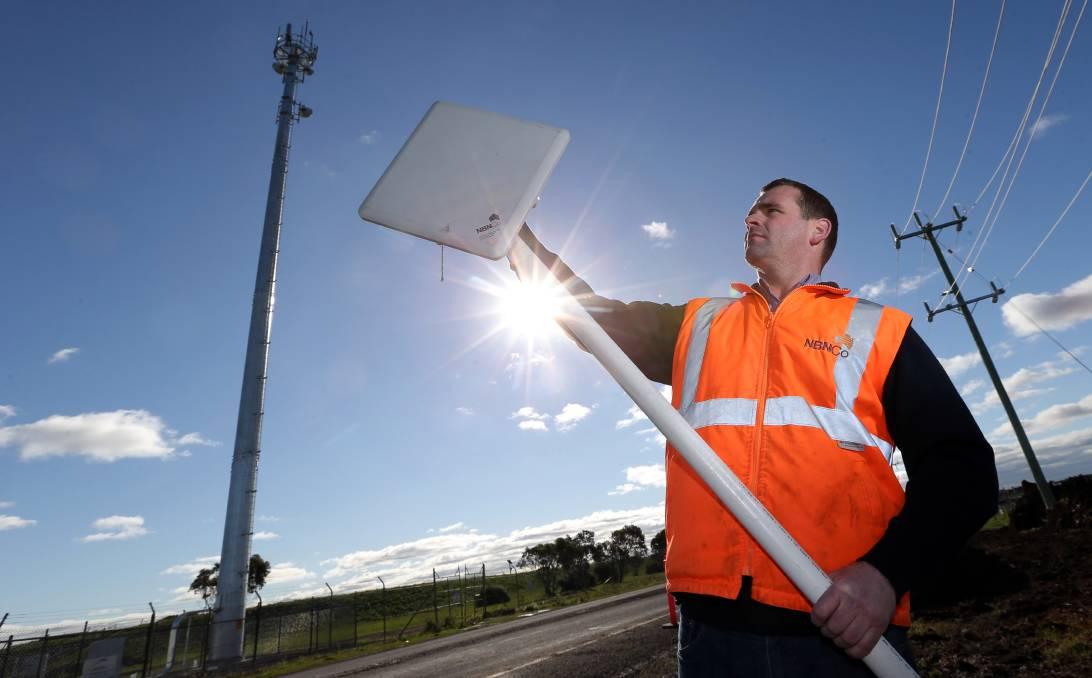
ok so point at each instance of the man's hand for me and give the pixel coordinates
(856, 609)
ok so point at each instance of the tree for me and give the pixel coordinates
(257, 572)
(205, 583)
(658, 545)
(627, 545)
(543, 557)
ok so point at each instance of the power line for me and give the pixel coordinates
(1031, 102)
(1050, 336)
(936, 116)
(1012, 302)
(1051, 231)
(1009, 153)
(978, 104)
(1031, 135)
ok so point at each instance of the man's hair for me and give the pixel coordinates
(813, 205)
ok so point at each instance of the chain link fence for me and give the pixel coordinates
(179, 643)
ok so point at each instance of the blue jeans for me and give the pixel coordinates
(705, 650)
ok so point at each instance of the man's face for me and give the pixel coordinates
(776, 231)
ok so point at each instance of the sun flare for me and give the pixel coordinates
(529, 309)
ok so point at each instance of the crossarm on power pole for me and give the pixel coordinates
(927, 231)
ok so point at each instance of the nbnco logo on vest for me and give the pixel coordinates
(839, 348)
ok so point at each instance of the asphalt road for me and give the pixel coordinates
(619, 636)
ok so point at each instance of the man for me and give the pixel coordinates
(804, 392)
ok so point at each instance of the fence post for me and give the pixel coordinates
(384, 601)
(330, 626)
(205, 642)
(79, 653)
(311, 630)
(148, 643)
(435, 607)
(280, 621)
(257, 626)
(7, 653)
(41, 655)
(485, 603)
(356, 619)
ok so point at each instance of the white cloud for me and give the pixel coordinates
(1058, 415)
(882, 287)
(633, 415)
(528, 412)
(451, 528)
(369, 138)
(1046, 122)
(283, 573)
(873, 290)
(971, 386)
(465, 411)
(517, 362)
(6, 411)
(269, 519)
(1070, 307)
(570, 415)
(196, 439)
(191, 568)
(659, 233)
(957, 365)
(640, 477)
(532, 425)
(1058, 455)
(97, 436)
(1023, 382)
(414, 560)
(114, 528)
(265, 536)
(6, 504)
(63, 355)
(14, 522)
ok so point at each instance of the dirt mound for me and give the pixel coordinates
(1072, 508)
(1016, 602)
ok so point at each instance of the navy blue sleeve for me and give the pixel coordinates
(952, 489)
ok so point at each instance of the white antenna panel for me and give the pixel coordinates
(466, 178)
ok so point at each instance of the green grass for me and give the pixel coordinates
(999, 520)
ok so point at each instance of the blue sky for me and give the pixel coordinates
(396, 439)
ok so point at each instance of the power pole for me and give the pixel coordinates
(294, 55)
(926, 231)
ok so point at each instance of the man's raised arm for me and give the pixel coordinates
(644, 330)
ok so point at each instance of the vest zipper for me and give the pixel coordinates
(760, 415)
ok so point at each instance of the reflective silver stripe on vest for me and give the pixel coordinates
(840, 424)
(861, 333)
(699, 338)
(721, 412)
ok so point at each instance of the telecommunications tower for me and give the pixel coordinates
(294, 56)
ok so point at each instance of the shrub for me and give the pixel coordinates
(492, 595)
(654, 565)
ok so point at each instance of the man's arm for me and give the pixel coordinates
(645, 331)
(951, 493)
(952, 490)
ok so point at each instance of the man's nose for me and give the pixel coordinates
(751, 221)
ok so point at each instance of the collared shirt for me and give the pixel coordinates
(763, 288)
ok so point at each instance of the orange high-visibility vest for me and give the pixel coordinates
(791, 401)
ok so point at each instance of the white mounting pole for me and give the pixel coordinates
(884, 660)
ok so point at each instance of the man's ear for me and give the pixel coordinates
(818, 230)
